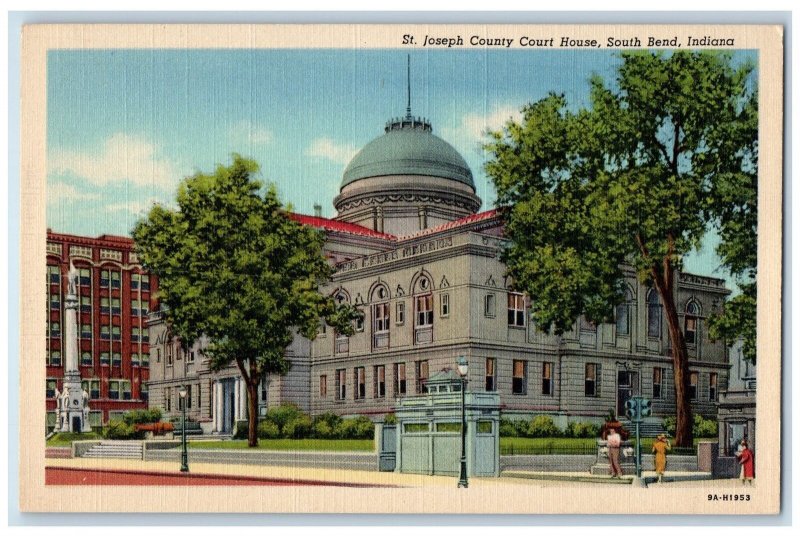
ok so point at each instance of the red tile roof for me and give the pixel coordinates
(471, 219)
(337, 225)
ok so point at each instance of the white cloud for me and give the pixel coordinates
(58, 192)
(247, 132)
(138, 207)
(122, 157)
(331, 150)
(474, 126)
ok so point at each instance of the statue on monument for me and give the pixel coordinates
(72, 280)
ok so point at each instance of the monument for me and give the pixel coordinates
(72, 405)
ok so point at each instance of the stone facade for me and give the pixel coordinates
(426, 274)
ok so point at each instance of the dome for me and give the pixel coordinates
(408, 147)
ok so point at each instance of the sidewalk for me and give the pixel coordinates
(584, 477)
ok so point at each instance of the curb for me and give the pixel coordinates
(255, 479)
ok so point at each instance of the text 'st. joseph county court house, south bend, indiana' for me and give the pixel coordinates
(414, 255)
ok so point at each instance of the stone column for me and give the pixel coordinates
(217, 406)
(237, 399)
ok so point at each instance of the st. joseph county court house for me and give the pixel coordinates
(413, 253)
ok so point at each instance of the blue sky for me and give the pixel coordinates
(125, 126)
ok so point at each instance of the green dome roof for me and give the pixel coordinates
(408, 147)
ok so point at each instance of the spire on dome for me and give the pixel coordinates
(409, 121)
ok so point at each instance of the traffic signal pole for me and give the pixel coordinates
(638, 451)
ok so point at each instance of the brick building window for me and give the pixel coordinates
(85, 276)
(519, 380)
(53, 274)
(144, 393)
(51, 386)
(55, 330)
(516, 309)
(491, 375)
(116, 359)
(547, 378)
(86, 358)
(105, 358)
(55, 301)
(55, 358)
(92, 387)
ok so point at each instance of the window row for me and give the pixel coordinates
(174, 352)
(113, 359)
(192, 398)
(379, 381)
(108, 278)
(117, 389)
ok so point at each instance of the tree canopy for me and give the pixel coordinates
(635, 179)
(232, 266)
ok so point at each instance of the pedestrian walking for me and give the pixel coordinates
(746, 459)
(660, 448)
(613, 442)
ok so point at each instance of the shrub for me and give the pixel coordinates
(298, 427)
(577, 429)
(543, 427)
(325, 425)
(119, 430)
(240, 430)
(508, 428)
(283, 414)
(142, 416)
(704, 428)
(355, 428)
(670, 425)
(268, 430)
(390, 419)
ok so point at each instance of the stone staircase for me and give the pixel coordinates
(109, 449)
(650, 428)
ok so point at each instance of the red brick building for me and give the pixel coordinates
(114, 300)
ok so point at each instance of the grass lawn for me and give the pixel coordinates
(282, 444)
(562, 446)
(66, 439)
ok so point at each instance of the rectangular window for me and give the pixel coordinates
(323, 385)
(401, 312)
(135, 333)
(86, 358)
(145, 282)
(168, 399)
(55, 330)
(399, 379)
(105, 358)
(86, 331)
(693, 376)
(424, 311)
(113, 389)
(547, 378)
(115, 279)
(134, 359)
(54, 274)
(55, 358)
(380, 317)
(658, 381)
(491, 375)
(135, 280)
(359, 376)
(380, 381)
(622, 315)
(189, 396)
(115, 306)
(85, 276)
(516, 309)
(712, 386)
(341, 384)
(145, 359)
(105, 332)
(170, 351)
(50, 391)
(116, 335)
(105, 305)
(445, 305)
(55, 301)
(590, 380)
(519, 382)
(360, 322)
(690, 330)
(105, 278)
(190, 357)
(86, 304)
(422, 375)
(92, 387)
(488, 306)
(144, 393)
(116, 359)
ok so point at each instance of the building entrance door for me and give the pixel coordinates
(627, 387)
(736, 431)
(228, 404)
(76, 424)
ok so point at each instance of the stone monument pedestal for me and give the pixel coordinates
(73, 412)
(601, 465)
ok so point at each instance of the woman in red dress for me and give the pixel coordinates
(745, 457)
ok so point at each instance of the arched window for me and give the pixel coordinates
(691, 322)
(423, 309)
(341, 343)
(379, 297)
(623, 314)
(653, 314)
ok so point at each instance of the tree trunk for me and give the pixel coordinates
(252, 418)
(680, 357)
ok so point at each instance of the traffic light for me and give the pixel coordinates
(631, 409)
(645, 408)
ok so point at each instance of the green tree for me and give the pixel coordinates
(234, 267)
(628, 181)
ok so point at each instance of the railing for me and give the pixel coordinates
(555, 449)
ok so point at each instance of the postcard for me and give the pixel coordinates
(401, 268)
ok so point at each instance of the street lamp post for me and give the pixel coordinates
(184, 452)
(463, 369)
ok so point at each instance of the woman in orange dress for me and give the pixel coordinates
(660, 448)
